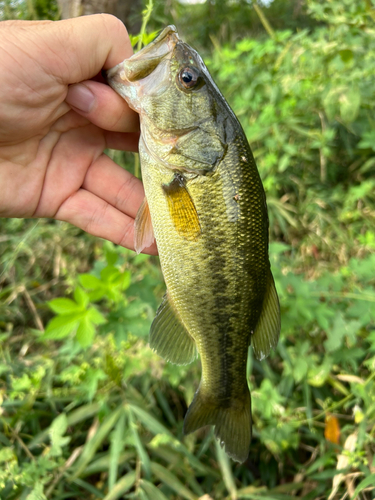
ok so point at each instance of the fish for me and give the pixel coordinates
(206, 208)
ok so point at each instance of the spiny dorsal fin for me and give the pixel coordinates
(182, 209)
(143, 232)
(169, 337)
(267, 330)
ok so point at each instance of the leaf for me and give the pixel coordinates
(122, 486)
(149, 421)
(172, 481)
(332, 429)
(152, 491)
(37, 493)
(368, 481)
(145, 460)
(81, 297)
(91, 446)
(89, 281)
(342, 327)
(226, 470)
(61, 326)
(116, 447)
(85, 332)
(56, 432)
(350, 102)
(63, 306)
(96, 316)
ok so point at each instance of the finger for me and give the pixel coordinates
(97, 217)
(102, 106)
(115, 185)
(90, 43)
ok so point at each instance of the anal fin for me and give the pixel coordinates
(143, 232)
(267, 331)
(169, 337)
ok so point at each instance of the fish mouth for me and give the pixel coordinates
(144, 62)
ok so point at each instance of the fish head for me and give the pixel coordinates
(183, 114)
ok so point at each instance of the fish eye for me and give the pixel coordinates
(188, 77)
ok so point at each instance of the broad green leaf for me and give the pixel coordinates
(96, 316)
(81, 297)
(89, 281)
(85, 332)
(61, 326)
(64, 306)
(126, 280)
(109, 274)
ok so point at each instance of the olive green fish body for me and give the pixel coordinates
(209, 217)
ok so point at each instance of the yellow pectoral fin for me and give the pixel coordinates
(182, 209)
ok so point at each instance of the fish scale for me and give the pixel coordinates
(209, 217)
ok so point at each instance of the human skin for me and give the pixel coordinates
(56, 121)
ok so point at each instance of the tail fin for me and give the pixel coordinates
(232, 423)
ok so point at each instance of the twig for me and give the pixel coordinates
(323, 159)
(33, 310)
(70, 461)
(22, 444)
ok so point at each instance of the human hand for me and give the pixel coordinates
(55, 124)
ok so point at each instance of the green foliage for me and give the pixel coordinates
(89, 411)
(306, 102)
(28, 9)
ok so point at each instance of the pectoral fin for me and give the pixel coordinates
(182, 209)
(267, 331)
(143, 232)
(169, 337)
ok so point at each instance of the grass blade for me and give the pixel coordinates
(115, 450)
(152, 491)
(168, 478)
(226, 470)
(122, 486)
(143, 455)
(94, 443)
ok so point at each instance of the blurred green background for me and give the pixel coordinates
(87, 410)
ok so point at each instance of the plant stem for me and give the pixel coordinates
(145, 18)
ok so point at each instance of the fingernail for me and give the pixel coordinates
(80, 97)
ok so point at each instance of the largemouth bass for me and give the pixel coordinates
(206, 206)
